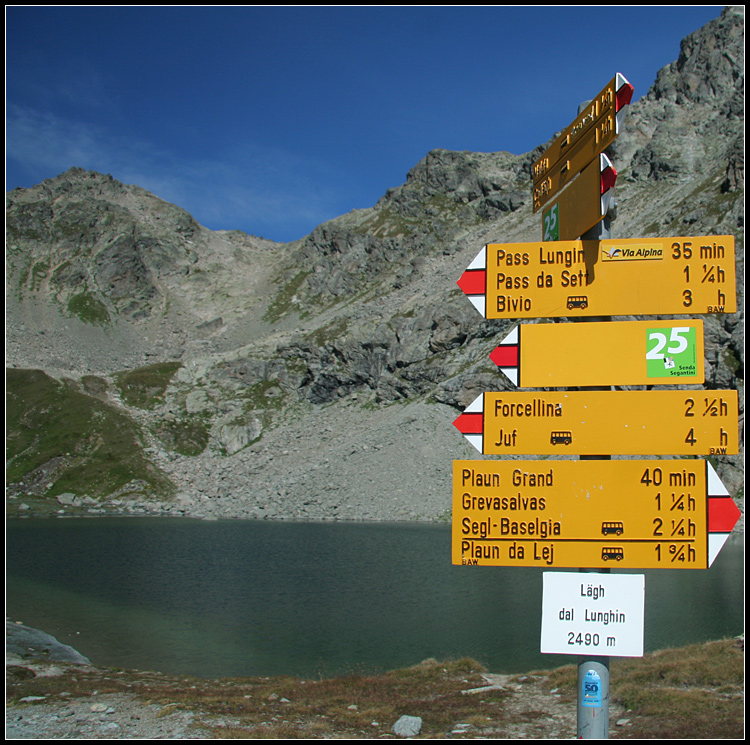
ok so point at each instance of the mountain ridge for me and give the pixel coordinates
(289, 350)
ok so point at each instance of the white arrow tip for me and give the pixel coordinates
(511, 373)
(715, 543)
(715, 487)
(479, 302)
(480, 260)
(512, 337)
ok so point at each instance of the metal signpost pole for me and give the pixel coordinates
(593, 672)
(592, 715)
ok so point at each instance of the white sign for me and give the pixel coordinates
(590, 613)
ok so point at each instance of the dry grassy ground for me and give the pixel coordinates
(693, 692)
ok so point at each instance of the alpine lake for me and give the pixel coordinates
(215, 598)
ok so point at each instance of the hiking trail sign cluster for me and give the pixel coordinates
(596, 513)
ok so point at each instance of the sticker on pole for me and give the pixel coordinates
(591, 689)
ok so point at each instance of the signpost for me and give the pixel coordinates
(634, 514)
(576, 164)
(636, 276)
(669, 422)
(596, 512)
(544, 355)
(609, 106)
(600, 136)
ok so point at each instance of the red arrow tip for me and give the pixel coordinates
(470, 424)
(609, 176)
(505, 355)
(473, 282)
(723, 514)
(623, 96)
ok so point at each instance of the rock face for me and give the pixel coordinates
(319, 379)
(23, 642)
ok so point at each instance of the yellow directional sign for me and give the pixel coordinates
(549, 355)
(631, 514)
(633, 276)
(610, 102)
(657, 422)
(581, 205)
(597, 138)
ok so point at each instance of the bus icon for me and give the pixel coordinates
(613, 552)
(578, 301)
(558, 438)
(612, 527)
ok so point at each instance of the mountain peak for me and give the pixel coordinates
(277, 354)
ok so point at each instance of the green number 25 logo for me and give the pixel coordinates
(551, 219)
(673, 352)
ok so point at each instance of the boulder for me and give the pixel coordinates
(407, 726)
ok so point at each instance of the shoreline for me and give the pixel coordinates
(688, 698)
(446, 519)
(212, 518)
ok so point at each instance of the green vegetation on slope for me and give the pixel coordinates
(89, 309)
(283, 301)
(186, 436)
(144, 387)
(685, 693)
(59, 440)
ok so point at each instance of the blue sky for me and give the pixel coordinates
(275, 119)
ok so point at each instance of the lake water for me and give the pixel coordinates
(231, 598)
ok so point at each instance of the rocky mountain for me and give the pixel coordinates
(213, 373)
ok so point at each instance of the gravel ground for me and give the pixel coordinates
(70, 716)
(530, 712)
(110, 716)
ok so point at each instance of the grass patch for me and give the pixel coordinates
(350, 706)
(354, 706)
(332, 332)
(691, 692)
(679, 714)
(94, 385)
(187, 436)
(386, 223)
(89, 309)
(55, 434)
(696, 691)
(144, 387)
(700, 665)
(282, 303)
(264, 395)
(729, 359)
